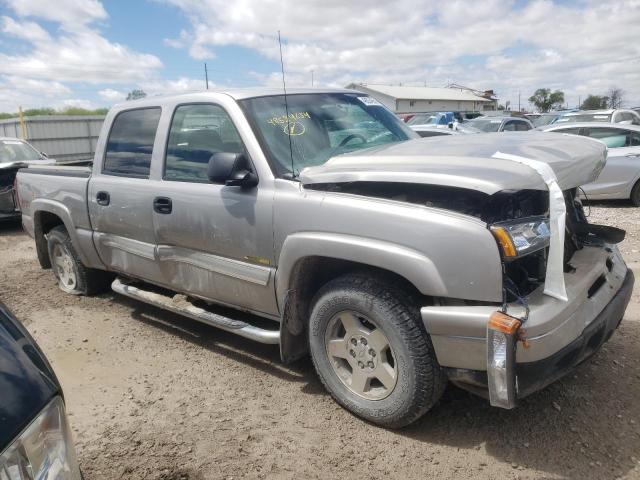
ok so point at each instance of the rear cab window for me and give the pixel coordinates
(130, 143)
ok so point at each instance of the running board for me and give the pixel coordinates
(180, 304)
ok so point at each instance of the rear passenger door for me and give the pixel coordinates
(120, 195)
(214, 241)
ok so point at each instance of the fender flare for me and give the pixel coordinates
(63, 212)
(406, 262)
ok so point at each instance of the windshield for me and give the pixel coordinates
(543, 120)
(423, 120)
(585, 117)
(484, 124)
(17, 151)
(321, 126)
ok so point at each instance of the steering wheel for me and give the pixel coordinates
(348, 138)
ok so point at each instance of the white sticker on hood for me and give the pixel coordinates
(554, 278)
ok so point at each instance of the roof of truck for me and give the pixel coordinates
(241, 93)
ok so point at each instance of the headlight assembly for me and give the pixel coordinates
(517, 238)
(44, 450)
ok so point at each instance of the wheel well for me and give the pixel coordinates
(307, 277)
(43, 223)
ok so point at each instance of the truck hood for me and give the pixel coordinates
(466, 161)
(26, 163)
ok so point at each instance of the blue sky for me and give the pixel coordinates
(91, 53)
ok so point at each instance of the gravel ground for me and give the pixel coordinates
(152, 395)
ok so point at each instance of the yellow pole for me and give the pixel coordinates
(23, 126)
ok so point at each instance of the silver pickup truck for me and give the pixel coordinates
(397, 263)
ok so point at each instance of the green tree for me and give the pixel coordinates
(544, 100)
(595, 102)
(31, 112)
(616, 97)
(136, 94)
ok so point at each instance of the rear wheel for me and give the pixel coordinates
(371, 351)
(73, 277)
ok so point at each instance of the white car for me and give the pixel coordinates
(625, 117)
(433, 130)
(620, 178)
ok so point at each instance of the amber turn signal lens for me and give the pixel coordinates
(504, 323)
(505, 242)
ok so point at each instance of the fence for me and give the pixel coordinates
(63, 137)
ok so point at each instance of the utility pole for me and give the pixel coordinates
(312, 78)
(206, 75)
(23, 126)
(579, 101)
(519, 110)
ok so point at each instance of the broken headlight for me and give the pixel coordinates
(521, 237)
(44, 450)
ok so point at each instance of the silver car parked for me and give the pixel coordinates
(620, 178)
(625, 117)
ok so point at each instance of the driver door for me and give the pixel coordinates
(213, 241)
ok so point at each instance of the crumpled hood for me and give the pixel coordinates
(466, 161)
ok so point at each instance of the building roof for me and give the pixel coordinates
(421, 93)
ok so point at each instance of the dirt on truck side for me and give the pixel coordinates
(152, 395)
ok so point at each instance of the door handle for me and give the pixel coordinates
(162, 205)
(103, 198)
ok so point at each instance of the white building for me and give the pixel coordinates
(400, 99)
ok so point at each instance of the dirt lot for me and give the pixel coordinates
(152, 395)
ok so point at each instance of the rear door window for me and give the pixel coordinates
(130, 143)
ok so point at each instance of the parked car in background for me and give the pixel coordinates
(15, 154)
(547, 118)
(390, 260)
(442, 119)
(433, 131)
(628, 117)
(495, 124)
(620, 178)
(35, 438)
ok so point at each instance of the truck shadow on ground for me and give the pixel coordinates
(585, 425)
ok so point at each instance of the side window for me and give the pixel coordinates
(522, 126)
(197, 132)
(572, 131)
(611, 137)
(130, 143)
(509, 126)
(634, 139)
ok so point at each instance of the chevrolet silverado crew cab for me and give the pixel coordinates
(397, 263)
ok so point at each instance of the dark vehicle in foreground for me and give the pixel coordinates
(35, 438)
(14, 155)
(396, 263)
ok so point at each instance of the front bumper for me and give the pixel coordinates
(533, 376)
(560, 334)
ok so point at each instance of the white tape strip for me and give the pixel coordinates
(554, 279)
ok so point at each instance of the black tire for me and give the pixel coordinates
(420, 381)
(635, 194)
(87, 280)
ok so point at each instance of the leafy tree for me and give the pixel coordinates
(595, 102)
(136, 94)
(30, 112)
(616, 96)
(545, 100)
(83, 111)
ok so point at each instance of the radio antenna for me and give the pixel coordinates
(286, 107)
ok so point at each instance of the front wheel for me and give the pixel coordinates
(371, 351)
(635, 194)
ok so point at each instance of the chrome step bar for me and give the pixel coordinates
(180, 305)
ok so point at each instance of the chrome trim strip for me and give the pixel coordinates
(128, 245)
(257, 274)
